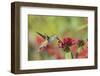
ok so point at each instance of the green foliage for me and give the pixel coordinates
(59, 25)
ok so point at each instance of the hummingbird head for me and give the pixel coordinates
(56, 37)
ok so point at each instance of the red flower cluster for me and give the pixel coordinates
(67, 42)
(72, 45)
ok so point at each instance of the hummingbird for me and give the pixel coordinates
(47, 40)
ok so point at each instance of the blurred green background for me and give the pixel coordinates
(62, 26)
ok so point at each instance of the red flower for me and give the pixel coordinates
(67, 42)
(39, 40)
(83, 53)
(55, 52)
(80, 43)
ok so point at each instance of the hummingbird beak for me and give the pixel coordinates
(57, 38)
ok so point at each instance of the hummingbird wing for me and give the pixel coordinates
(44, 44)
(43, 36)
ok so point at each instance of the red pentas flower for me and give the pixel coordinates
(83, 53)
(80, 43)
(39, 40)
(68, 41)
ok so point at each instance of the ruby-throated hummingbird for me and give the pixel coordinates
(47, 40)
